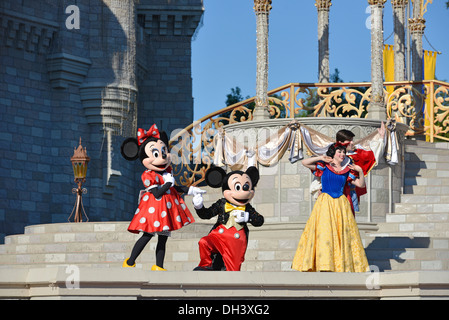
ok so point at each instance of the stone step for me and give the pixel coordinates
(260, 253)
(84, 234)
(407, 254)
(426, 173)
(419, 199)
(409, 143)
(414, 229)
(113, 226)
(426, 190)
(257, 258)
(413, 165)
(426, 154)
(93, 232)
(109, 244)
(410, 265)
(380, 241)
(436, 218)
(411, 208)
(270, 248)
(410, 181)
(173, 245)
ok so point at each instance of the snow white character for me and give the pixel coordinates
(331, 241)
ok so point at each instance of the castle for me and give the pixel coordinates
(91, 69)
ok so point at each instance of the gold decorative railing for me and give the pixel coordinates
(404, 101)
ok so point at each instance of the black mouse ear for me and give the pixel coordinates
(164, 137)
(253, 173)
(215, 176)
(130, 149)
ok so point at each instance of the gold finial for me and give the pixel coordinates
(323, 4)
(376, 2)
(262, 6)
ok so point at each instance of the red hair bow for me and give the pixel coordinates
(341, 144)
(143, 135)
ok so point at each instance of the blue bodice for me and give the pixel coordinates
(333, 183)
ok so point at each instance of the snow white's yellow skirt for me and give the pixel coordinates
(331, 240)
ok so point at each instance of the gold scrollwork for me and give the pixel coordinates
(193, 147)
(441, 111)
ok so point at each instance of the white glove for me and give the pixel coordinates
(240, 216)
(193, 191)
(168, 177)
(197, 201)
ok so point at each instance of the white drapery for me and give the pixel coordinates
(291, 138)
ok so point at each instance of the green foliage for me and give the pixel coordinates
(234, 97)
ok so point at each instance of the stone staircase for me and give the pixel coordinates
(107, 244)
(95, 244)
(414, 237)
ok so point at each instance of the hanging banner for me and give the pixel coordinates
(389, 66)
(429, 63)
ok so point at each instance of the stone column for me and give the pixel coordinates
(377, 108)
(262, 9)
(323, 7)
(417, 25)
(399, 38)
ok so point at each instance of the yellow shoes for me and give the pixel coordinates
(153, 268)
(156, 268)
(126, 265)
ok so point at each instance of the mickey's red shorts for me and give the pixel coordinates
(230, 243)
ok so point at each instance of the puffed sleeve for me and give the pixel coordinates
(320, 167)
(150, 179)
(353, 175)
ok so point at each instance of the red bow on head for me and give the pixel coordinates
(341, 144)
(143, 135)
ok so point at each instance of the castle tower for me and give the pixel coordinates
(165, 34)
(109, 91)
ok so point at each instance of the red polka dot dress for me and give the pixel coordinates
(164, 214)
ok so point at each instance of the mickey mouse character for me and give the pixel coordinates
(229, 236)
(161, 209)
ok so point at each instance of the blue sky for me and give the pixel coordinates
(224, 51)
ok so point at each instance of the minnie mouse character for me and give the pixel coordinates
(229, 236)
(161, 209)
